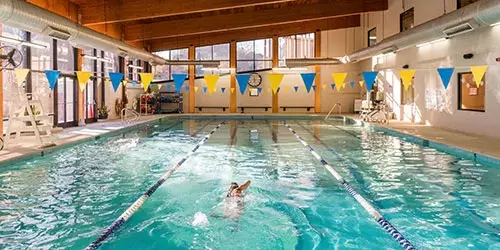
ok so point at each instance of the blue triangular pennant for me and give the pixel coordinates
(260, 90)
(278, 90)
(179, 81)
(205, 89)
(186, 88)
(308, 79)
(445, 74)
(333, 85)
(169, 86)
(222, 89)
(243, 82)
(116, 79)
(314, 87)
(52, 76)
(353, 84)
(369, 78)
(296, 88)
(134, 83)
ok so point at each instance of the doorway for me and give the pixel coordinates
(66, 108)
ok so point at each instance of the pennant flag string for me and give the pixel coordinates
(178, 81)
(211, 81)
(116, 79)
(478, 73)
(21, 75)
(275, 80)
(243, 82)
(52, 76)
(369, 77)
(407, 76)
(146, 79)
(338, 79)
(445, 74)
(308, 79)
(83, 78)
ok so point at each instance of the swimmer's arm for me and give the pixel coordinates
(244, 186)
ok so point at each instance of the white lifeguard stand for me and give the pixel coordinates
(23, 123)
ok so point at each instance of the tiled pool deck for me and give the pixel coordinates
(457, 143)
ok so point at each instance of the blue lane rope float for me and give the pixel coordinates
(138, 203)
(388, 227)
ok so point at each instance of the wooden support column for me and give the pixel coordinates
(275, 104)
(191, 80)
(232, 64)
(317, 68)
(81, 96)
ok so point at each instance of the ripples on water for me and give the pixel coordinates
(67, 198)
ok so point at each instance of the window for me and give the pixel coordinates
(41, 59)
(407, 96)
(133, 72)
(372, 37)
(10, 97)
(296, 46)
(218, 52)
(164, 72)
(470, 97)
(406, 20)
(463, 3)
(254, 55)
(65, 57)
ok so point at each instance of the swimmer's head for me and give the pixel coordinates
(232, 187)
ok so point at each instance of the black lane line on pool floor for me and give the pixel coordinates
(386, 225)
(479, 220)
(139, 202)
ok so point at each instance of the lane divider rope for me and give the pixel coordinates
(138, 203)
(388, 227)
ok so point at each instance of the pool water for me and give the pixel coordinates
(67, 198)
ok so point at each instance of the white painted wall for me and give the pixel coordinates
(433, 104)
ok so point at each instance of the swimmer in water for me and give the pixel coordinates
(237, 191)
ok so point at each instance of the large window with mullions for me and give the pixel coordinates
(254, 55)
(218, 52)
(295, 46)
(164, 72)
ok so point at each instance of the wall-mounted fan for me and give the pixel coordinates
(10, 57)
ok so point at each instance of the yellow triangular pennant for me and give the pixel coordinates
(211, 81)
(196, 89)
(324, 86)
(159, 86)
(146, 79)
(268, 90)
(232, 90)
(478, 73)
(406, 77)
(124, 83)
(106, 81)
(83, 78)
(361, 83)
(275, 80)
(338, 79)
(21, 75)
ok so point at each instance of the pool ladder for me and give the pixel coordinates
(129, 115)
(338, 104)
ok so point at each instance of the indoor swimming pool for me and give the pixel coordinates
(67, 198)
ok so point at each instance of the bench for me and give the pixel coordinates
(303, 107)
(200, 108)
(266, 108)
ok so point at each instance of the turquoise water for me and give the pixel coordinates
(66, 199)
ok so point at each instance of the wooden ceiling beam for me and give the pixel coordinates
(255, 33)
(291, 15)
(112, 11)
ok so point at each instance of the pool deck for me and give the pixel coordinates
(474, 143)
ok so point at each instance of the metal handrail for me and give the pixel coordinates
(124, 116)
(331, 110)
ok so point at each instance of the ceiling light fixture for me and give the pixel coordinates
(431, 42)
(22, 42)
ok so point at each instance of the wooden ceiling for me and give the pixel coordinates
(162, 23)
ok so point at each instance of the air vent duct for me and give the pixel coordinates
(457, 30)
(57, 33)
